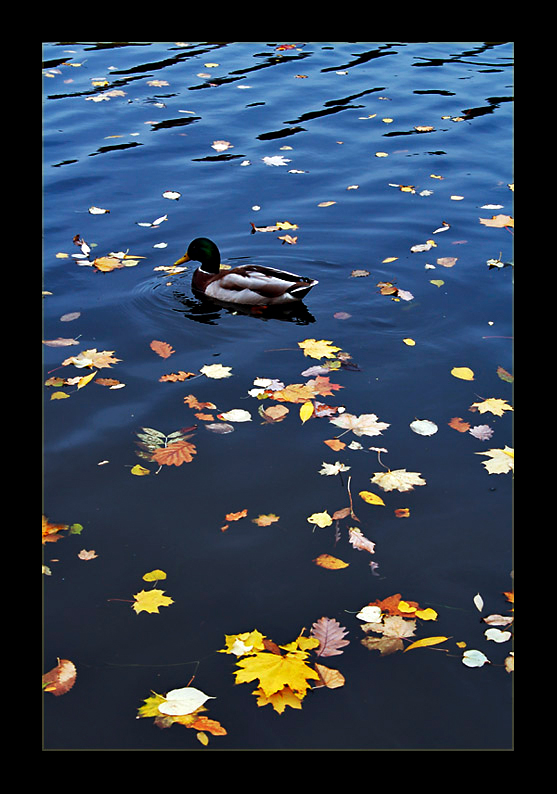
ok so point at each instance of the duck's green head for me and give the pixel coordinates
(205, 251)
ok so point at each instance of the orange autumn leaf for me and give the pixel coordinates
(204, 417)
(236, 516)
(176, 376)
(265, 520)
(203, 723)
(402, 512)
(457, 423)
(295, 393)
(390, 605)
(175, 454)
(322, 385)
(193, 402)
(51, 532)
(162, 349)
(335, 443)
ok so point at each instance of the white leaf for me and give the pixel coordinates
(333, 468)
(473, 658)
(183, 701)
(478, 602)
(424, 427)
(216, 371)
(370, 614)
(236, 415)
(278, 159)
(171, 194)
(221, 146)
(497, 635)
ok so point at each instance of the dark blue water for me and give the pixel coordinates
(122, 153)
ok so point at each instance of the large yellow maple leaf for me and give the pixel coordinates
(319, 348)
(275, 672)
(150, 601)
(493, 404)
(502, 460)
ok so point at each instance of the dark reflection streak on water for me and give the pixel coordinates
(115, 147)
(460, 58)
(92, 92)
(161, 125)
(203, 310)
(364, 57)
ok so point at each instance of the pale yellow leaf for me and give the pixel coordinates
(464, 373)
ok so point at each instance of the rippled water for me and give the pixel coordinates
(329, 103)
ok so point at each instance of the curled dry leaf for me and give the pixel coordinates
(61, 678)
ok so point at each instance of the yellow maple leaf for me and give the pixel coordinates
(279, 701)
(275, 672)
(246, 642)
(150, 601)
(322, 348)
(493, 404)
(294, 393)
(502, 460)
(399, 479)
(92, 358)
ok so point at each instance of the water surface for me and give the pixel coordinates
(328, 108)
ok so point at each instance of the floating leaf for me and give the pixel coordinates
(321, 519)
(163, 349)
(216, 371)
(150, 601)
(61, 678)
(473, 658)
(183, 701)
(154, 576)
(365, 424)
(331, 635)
(328, 677)
(424, 427)
(306, 411)
(423, 643)
(235, 415)
(330, 562)
(371, 498)
(321, 348)
(399, 479)
(464, 373)
(493, 404)
(502, 460)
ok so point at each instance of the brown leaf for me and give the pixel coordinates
(331, 635)
(457, 423)
(175, 454)
(328, 677)
(163, 349)
(61, 678)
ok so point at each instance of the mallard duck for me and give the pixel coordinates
(250, 285)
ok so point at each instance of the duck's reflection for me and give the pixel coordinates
(201, 309)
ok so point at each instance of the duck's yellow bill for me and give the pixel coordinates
(182, 259)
